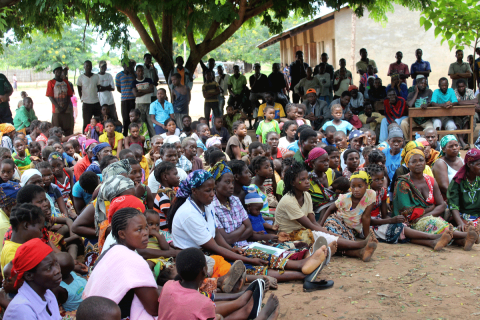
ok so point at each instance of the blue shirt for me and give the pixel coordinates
(345, 126)
(293, 146)
(79, 192)
(257, 222)
(393, 162)
(439, 97)
(201, 145)
(161, 113)
(403, 90)
(420, 66)
(125, 81)
(324, 140)
(75, 291)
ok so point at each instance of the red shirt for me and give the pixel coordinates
(401, 68)
(397, 111)
(80, 167)
(60, 91)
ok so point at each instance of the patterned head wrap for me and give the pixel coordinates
(213, 141)
(445, 140)
(27, 175)
(87, 144)
(409, 147)
(355, 134)
(194, 180)
(110, 189)
(361, 175)
(98, 148)
(219, 169)
(121, 202)
(314, 154)
(6, 128)
(471, 156)
(28, 256)
(116, 168)
(8, 193)
(423, 141)
(412, 153)
(253, 197)
(55, 156)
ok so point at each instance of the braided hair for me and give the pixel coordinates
(291, 174)
(376, 156)
(236, 166)
(372, 169)
(26, 212)
(120, 220)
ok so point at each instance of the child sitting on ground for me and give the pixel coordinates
(255, 149)
(267, 125)
(69, 161)
(337, 122)
(334, 160)
(301, 111)
(261, 229)
(142, 192)
(94, 129)
(135, 117)
(106, 115)
(157, 242)
(69, 293)
(22, 156)
(138, 152)
(70, 150)
(98, 308)
(352, 161)
(134, 137)
(231, 117)
(203, 134)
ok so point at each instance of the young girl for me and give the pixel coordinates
(289, 130)
(167, 174)
(69, 149)
(272, 141)
(112, 137)
(171, 128)
(237, 145)
(263, 170)
(141, 191)
(135, 115)
(94, 129)
(51, 189)
(22, 156)
(62, 177)
(352, 160)
(134, 137)
(68, 161)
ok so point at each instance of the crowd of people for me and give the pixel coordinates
(162, 216)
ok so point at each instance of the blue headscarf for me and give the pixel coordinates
(194, 180)
(97, 149)
(8, 193)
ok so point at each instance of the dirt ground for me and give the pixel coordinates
(402, 281)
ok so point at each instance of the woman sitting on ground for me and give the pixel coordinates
(448, 164)
(417, 197)
(99, 151)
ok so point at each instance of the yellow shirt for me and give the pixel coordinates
(4, 225)
(144, 165)
(279, 113)
(118, 137)
(288, 211)
(8, 252)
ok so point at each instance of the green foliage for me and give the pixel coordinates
(455, 21)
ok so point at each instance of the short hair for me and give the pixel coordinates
(4, 150)
(18, 139)
(363, 49)
(108, 121)
(106, 161)
(458, 50)
(34, 145)
(155, 138)
(190, 262)
(46, 152)
(54, 138)
(254, 145)
(391, 90)
(43, 165)
(215, 156)
(120, 220)
(163, 89)
(258, 161)
(201, 125)
(461, 81)
(330, 129)
(122, 154)
(330, 149)
(298, 52)
(303, 107)
(308, 133)
(340, 133)
(442, 79)
(236, 166)
(26, 212)
(195, 123)
(34, 124)
(346, 94)
(28, 192)
(376, 156)
(269, 134)
(366, 151)
(287, 125)
(138, 66)
(348, 151)
(235, 125)
(133, 125)
(268, 107)
(89, 181)
(146, 55)
(187, 140)
(136, 111)
(300, 129)
(341, 183)
(132, 161)
(185, 116)
(176, 75)
(162, 168)
(8, 161)
(166, 146)
(96, 307)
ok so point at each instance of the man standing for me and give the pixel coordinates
(142, 89)
(309, 82)
(343, 64)
(105, 89)
(278, 85)
(222, 80)
(87, 85)
(318, 111)
(258, 86)
(6, 91)
(211, 91)
(364, 62)
(181, 99)
(298, 71)
(420, 67)
(209, 68)
(420, 98)
(399, 68)
(329, 70)
(185, 76)
(236, 86)
(150, 72)
(59, 92)
(459, 69)
(123, 82)
(471, 63)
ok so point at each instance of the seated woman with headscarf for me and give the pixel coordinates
(6, 134)
(99, 151)
(463, 193)
(447, 164)
(418, 198)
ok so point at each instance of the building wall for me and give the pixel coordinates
(402, 32)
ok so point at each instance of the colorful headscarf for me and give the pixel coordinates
(98, 148)
(55, 156)
(8, 193)
(6, 128)
(445, 140)
(121, 202)
(27, 174)
(28, 256)
(410, 146)
(253, 197)
(361, 175)
(87, 144)
(412, 153)
(313, 155)
(194, 180)
(116, 168)
(219, 169)
(471, 156)
(423, 141)
(213, 141)
(355, 134)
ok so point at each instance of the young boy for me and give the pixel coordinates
(267, 125)
(232, 116)
(7, 170)
(160, 111)
(72, 285)
(211, 90)
(329, 136)
(337, 122)
(22, 156)
(94, 129)
(255, 149)
(340, 139)
(219, 130)
(70, 150)
(135, 117)
(254, 204)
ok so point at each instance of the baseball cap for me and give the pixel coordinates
(352, 87)
(102, 63)
(311, 90)
(56, 65)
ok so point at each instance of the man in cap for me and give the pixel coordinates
(59, 92)
(318, 111)
(356, 100)
(105, 90)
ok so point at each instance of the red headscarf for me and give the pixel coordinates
(314, 154)
(124, 202)
(28, 256)
(471, 156)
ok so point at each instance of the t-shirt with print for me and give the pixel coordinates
(265, 127)
(279, 112)
(422, 98)
(288, 211)
(89, 88)
(143, 85)
(106, 97)
(345, 126)
(60, 91)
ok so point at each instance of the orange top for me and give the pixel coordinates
(182, 73)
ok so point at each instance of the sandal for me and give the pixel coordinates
(309, 286)
(257, 298)
(234, 274)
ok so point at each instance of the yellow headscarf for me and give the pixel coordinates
(361, 175)
(411, 153)
(6, 128)
(411, 145)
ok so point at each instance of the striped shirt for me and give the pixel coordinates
(125, 81)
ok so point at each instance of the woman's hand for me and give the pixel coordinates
(238, 250)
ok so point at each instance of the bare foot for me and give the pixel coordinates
(269, 308)
(477, 230)
(369, 249)
(315, 260)
(275, 313)
(471, 238)
(270, 282)
(333, 247)
(444, 240)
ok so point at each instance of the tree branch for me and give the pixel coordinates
(167, 33)
(153, 29)
(211, 32)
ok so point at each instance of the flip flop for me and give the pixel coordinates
(321, 241)
(234, 274)
(309, 286)
(257, 299)
(312, 276)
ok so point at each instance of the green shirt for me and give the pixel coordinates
(456, 67)
(237, 84)
(23, 117)
(299, 157)
(265, 127)
(464, 197)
